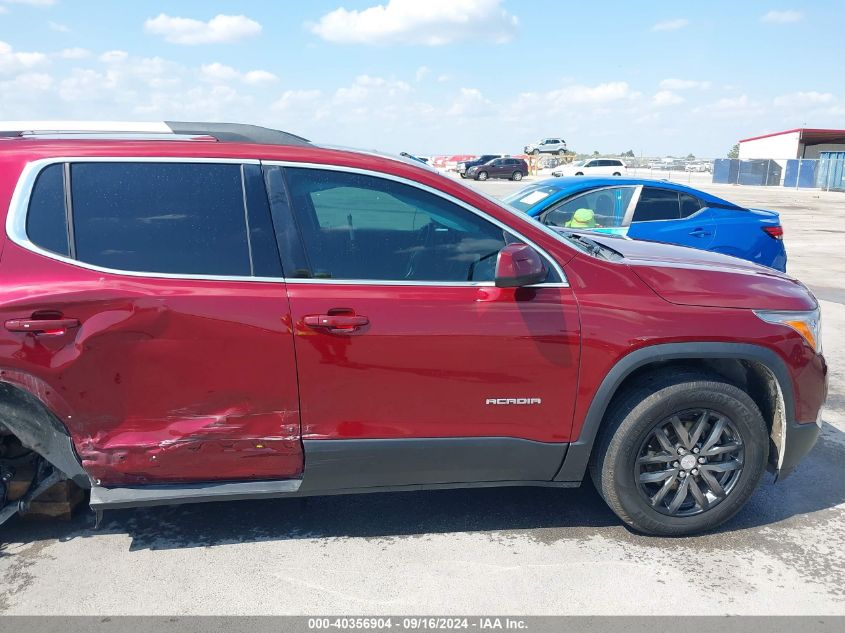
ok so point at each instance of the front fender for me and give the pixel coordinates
(578, 455)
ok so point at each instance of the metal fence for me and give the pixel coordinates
(827, 173)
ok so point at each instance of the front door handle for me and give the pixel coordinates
(336, 323)
(700, 232)
(42, 326)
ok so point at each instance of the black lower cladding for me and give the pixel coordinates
(360, 466)
(353, 463)
(800, 439)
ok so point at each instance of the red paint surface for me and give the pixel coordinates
(164, 380)
(169, 380)
(431, 357)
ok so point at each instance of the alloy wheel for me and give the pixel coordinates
(689, 462)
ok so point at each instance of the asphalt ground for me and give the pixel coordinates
(515, 551)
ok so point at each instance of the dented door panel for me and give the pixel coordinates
(164, 380)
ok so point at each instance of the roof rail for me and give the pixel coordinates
(225, 132)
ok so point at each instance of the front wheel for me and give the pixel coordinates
(517, 175)
(536, 152)
(680, 453)
(482, 175)
(579, 173)
(616, 173)
(562, 152)
(463, 175)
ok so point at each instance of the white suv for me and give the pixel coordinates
(554, 145)
(592, 167)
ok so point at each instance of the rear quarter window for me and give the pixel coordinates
(46, 222)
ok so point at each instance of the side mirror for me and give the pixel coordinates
(519, 265)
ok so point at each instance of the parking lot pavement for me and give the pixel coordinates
(516, 551)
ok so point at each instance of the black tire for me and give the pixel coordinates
(482, 175)
(579, 173)
(536, 152)
(517, 175)
(616, 173)
(633, 419)
(463, 175)
(561, 152)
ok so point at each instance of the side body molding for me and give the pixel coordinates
(578, 455)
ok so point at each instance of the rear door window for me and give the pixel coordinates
(657, 204)
(182, 218)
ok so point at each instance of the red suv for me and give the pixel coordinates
(196, 312)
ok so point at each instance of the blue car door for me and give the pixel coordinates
(674, 217)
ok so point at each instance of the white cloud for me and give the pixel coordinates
(218, 30)
(28, 82)
(430, 23)
(667, 98)
(783, 17)
(218, 72)
(601, 93)
(365, 86)
(728, 107)
(11, 61)
(470, 102)
(683, 84)
(57, 27)
(803, 99)
(221, 73)
(74, 53)
(256, 77)
(114, 57)
(422, 72)
(295, 100)
(671, 25)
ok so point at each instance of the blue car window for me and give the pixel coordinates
(599, 208)
(657, 204)
(689, 205)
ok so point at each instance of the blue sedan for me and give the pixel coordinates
(656, 210)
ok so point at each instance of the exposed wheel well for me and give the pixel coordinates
(753, 377)
(26, 419)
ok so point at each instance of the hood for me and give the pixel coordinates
(688, 276)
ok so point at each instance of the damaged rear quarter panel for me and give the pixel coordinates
(165, 380)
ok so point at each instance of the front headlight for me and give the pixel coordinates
(807, 324)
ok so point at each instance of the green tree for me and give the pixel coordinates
(690, 156)
(734, 153)
(595, 152)
(629, 154)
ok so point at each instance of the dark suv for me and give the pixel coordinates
(510, 168)
(219, 311)
(463, 166)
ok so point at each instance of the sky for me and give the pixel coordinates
(436, 76)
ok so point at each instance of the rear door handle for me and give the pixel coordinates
(700, 233)
(41, 326)
(336, 323)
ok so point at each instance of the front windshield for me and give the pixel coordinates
(527, 198)
(579, 163)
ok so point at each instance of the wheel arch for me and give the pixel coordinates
(756, 369)
(24, 415)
